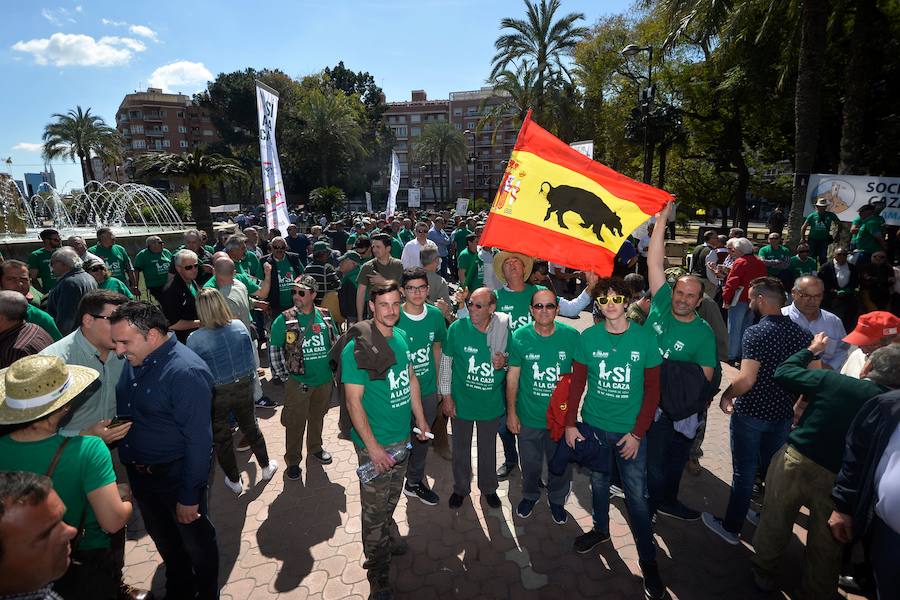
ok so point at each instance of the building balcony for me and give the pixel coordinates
(154, 132)
(153, 116)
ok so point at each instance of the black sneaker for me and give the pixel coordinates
(525, 508)
(653, 585)
(679, 511)
(558, 512)
(293, 473)
(420, 490)
(455, 501)
(324, 457)
(493, 500)
(585, 542)
(266, 402)
(506, 470)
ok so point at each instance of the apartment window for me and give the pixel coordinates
(135, 114)
(470, 125)
(165, 129)
(182, 129)
(441, 117)
(415, 131)
(166, 143)
(162, 113)
(458, 125)
(137, 129)
(399, 131)
(180, 114)
(138, 144)
(183, 143)
(472, 110)
(457, 112)
(457, 182)
(457, 168)
(401, 145)
(415, 118)
(208, 132)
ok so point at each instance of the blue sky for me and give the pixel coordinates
(56, 55)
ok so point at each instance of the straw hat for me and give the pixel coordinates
(35, 386)
(503, 256)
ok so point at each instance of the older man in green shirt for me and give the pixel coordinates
(154, 262)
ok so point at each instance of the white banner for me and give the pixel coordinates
(273, 187)
(846, 193)
(395, 185)
(462, 207)
(415, 198)
(368, 202)
(225, 208)
(586, 147)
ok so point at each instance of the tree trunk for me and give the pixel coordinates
(441, 168)
(741, 218)
(858, 77)
(807, 107)
(200, 209)
(433, 187)
(661, 177)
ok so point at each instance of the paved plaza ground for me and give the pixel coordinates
(301, 539)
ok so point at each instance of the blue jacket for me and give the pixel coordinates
(227, 351)
(591, 453)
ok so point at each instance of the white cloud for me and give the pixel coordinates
(28, 147)
(78, 8)
(181, 76)
(64, 49)
(143, 31)
(113, 23)
(58, 16)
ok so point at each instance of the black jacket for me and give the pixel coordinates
(869, 434)
(683, 390)
(829, 278)
(274, 297)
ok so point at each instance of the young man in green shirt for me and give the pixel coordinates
(869, 235)
(381, 411)
(115, 257)
(818, 228)
(473, 397)
(470, 267)
(539, 354)
(39, 260)
(802, 263)
(154, 262)
(777, 258)
(619, 362)
(425, 331)
(300, 340)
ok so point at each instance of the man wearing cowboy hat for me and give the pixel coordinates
(514, 299)
(819, 225)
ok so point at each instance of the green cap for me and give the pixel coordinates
(351, 255)
(321, 247)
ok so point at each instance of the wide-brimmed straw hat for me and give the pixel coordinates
(35, 386)
(503, 256)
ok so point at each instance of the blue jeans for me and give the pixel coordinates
(740, 317)
(667, 453)
(634, 483)
(510, 453)
(753, 443)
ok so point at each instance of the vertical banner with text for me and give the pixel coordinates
(395, 185)
(273, 187)
(368, 202)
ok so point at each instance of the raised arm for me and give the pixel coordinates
(656, 252)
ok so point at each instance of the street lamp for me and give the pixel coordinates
(472, 159)
(646, 105)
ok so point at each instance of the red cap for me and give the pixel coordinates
(873, 326)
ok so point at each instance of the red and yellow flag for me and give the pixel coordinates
(557, 204)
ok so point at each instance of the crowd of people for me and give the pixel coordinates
(126, 378)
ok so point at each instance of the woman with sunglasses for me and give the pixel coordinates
(105, 281)
(618, 361)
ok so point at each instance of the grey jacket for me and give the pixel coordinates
(64, 298)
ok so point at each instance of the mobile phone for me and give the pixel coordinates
(118, 421)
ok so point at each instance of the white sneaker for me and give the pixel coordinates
(269, 471)
(235, 486)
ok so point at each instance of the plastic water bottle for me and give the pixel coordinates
(398, 452)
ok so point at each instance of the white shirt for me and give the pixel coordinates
(835, 350)
(887, 483)
(410, 256)
(842, 273)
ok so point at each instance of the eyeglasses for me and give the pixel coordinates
(104, 317)
(301, 293)
(421, 231)
(416, 288)
(189, 267)
(543, 305)
(604, 300)
(470, 304)
(96, 269)
(279, 247)
(806, 296)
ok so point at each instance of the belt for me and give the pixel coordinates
(152, 470)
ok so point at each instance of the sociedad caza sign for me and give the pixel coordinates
(845, 194)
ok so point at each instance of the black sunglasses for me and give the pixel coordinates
(470, 304)
(189, 267)
(543, 305)
(301, 293)
(104, 317)
(279, 247)
(96, 269)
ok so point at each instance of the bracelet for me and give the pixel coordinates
(634, 436)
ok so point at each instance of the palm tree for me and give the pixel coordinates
(329, 125)
(516, 91)
(199, 170)
(441, 141)
(79, 134)
(539, 40)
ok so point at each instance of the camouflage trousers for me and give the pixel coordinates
(379, 498)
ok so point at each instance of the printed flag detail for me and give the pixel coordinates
(557, 204)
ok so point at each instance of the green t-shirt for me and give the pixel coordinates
(819, 226)
(476, 386)
(116, 258)
(154, 266)
(615, 374)
(468, 261)
(869, 233)
(769, 253)
(517, 304)
(422, 331)
(38, 317)
(799, 267)
(114, 285)
(248, 282)
(251, 265)
(40, 260)
(286, 277)
(692, 342)
(316, 345)
(84, 466)
(459, 236)
(542, 360)
(405, 235)
(396, 246)
(386, 401)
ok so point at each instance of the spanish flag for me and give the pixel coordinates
(557, 204)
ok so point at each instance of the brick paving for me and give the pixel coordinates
(301, 539)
